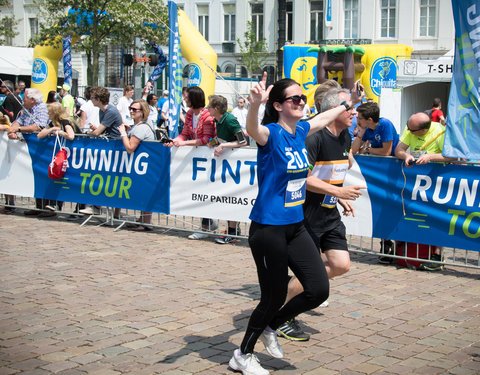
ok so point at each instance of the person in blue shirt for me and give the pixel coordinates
(278, 238)
(379, 132)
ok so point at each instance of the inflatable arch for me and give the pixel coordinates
(195, 49)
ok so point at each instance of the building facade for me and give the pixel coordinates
(425, 25)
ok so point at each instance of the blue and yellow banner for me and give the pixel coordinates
(462, 137)
(175, 63)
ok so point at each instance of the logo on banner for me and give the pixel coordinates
(39, 71)
(304, 71)
(194, 75)
(383, 74)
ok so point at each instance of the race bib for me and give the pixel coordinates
(295, 192)
(329, 201)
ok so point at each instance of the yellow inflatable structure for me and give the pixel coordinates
(200, 55)
(379, 61)
(45, 68)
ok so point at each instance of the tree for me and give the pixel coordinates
(94, 24)
(7, 24)
(254, 52)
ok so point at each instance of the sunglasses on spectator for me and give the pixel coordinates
(296, 99)
(134, 109)
(414, 131)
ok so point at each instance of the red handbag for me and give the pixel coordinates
(59, 164)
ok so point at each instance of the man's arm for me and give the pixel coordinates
(427, 158)
(385, 150)
(315, 185)
(97, 131)
(401, 153)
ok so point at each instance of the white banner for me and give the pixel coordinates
(440, 70)
(202, 185)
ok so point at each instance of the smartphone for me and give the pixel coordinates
(240, 135)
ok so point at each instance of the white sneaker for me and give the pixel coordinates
(248, 364)
(51, 208)
(324, 303)
(90, 210)
(197, 236)
(270, 341)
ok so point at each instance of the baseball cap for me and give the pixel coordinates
(165, 92)
(65, 87)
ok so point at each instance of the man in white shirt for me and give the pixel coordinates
(240, 112)
(89, 113)
(124, 103)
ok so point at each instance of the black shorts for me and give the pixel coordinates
(333, 239)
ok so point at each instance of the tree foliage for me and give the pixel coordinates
(7, 23)
(94, 24)
(254, 52)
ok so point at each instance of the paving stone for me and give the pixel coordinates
(118, 303)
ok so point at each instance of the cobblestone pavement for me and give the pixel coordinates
(87, 300)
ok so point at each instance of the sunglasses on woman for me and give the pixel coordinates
(296, 99)
(134, 109)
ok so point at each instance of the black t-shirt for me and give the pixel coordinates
(329, 156)
(13, 105)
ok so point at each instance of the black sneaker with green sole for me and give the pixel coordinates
(291, 330)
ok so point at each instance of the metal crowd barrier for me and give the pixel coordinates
(166, 223)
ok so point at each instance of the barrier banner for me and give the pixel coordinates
(220, 188)
(442, 202)
(462, 137)
(100, 172)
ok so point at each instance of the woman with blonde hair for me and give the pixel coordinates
(60, 122)
(4, 122)
(141, 131)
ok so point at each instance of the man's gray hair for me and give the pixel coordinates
(34, 94)
(8, 84)
(332, 99)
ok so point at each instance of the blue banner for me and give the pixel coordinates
(162, 62)
(440, 204)
(175, 63)
(103, 173)
(462, 138)
(67, 60)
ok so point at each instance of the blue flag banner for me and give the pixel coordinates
(175, 77)
(462, 137)
(67, 60)
(162, 62)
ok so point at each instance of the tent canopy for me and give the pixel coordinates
(16, 61)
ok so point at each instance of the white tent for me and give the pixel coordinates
(16, 61)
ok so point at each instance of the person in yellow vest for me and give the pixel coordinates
(68, 102)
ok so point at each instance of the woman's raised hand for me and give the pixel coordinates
(259, 93)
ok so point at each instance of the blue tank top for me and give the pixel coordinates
(282, 169)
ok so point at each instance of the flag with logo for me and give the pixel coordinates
(162, 62)
(175, 64)
(462, 137)
(67, 60)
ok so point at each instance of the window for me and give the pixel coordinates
(8, 37)
(230, 69)
(388, 17)
(428, 10)
(33, 26)
(289, 22)
(229, 22)
(203, 20)
(351, 19)
(257, 20)
(316, 21)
